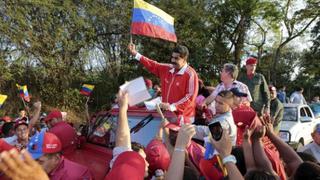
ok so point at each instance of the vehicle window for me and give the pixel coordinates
(308, 112)
(290, 114)
(303, 113)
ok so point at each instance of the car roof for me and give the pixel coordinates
(139, 111)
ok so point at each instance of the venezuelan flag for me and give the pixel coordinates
(2, 99)
(148, 20)
(23, 92)
(86, 89)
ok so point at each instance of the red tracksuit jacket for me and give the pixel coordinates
(178, 88)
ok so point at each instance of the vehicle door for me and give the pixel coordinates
(307, 121)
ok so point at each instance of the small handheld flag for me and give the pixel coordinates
(2, 99)
(86, 89)
(23, 92)
(148, 20)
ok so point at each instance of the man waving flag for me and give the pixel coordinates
(148, 20)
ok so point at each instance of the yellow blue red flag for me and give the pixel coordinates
(23, 92)
(86, 89)
(148, 20)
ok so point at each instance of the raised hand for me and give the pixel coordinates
(247, 133)
(224, 145)
(123, 99)
(37, 105)
(132, 49)
(21, 166)
(185, 134)
(259, 132)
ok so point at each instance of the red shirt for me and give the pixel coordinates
(178, 88)
(4, 146)
(70, 170)
(67, 136)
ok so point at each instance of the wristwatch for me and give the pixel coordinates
(229, 158)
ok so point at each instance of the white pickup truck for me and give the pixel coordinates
(297, 124)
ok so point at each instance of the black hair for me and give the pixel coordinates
(6, 128)
(307, 170)
(299, 88)
(241, 164)
(136, 146)
(307, 157)
(226, 94)
(182, 50)
(259, 174)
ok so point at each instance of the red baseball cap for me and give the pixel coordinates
(173, 126)
(22, 121)
(251, 60)
(128, 165)
(53, 114)
(43, 143)
(158, 156)
(6, 118)
(272, 88)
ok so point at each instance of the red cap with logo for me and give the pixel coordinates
(158, 156)
(53, 114)
(43, 143)
(251, 60)
(128, 165)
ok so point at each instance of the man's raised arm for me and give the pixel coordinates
(123, 131)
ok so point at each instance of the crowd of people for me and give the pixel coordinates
(229, 131)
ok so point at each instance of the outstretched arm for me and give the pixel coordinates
(224, 147)
(176, 168)
(260, 156)
(247, 150)
(123, 138)
(36, 114)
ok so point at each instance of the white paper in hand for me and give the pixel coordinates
(151, 105)
(137, 91)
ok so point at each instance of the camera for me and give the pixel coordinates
(216, 130)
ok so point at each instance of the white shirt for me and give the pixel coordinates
(236, 84)
(297, 98)
(116, 152)
(313, 149)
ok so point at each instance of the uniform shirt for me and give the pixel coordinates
(297, 98)
(313, 149)
(195, 153)
(259, 90)
(179, 88)
(70, 170)
(276, 112)
(67, 136)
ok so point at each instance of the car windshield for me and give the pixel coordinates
(290, 114)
